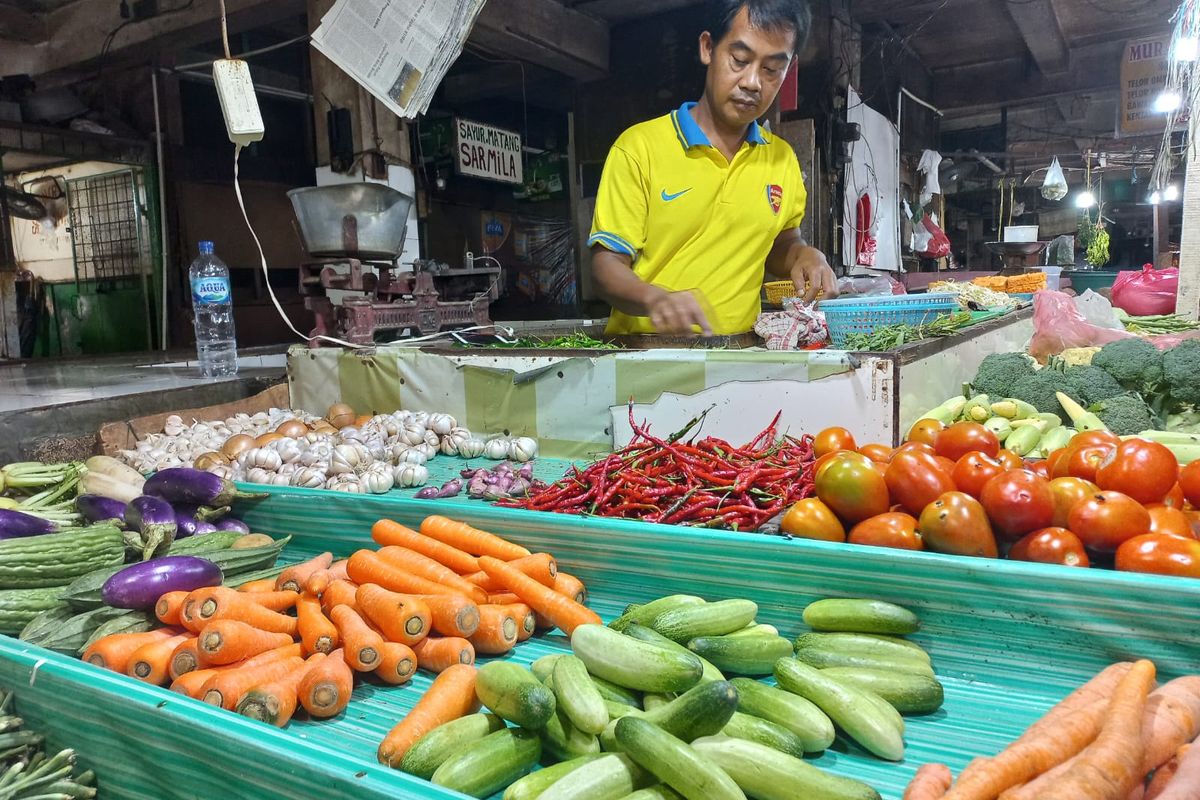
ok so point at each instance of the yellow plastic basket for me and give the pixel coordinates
(777, 291)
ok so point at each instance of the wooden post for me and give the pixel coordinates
(1187, 303)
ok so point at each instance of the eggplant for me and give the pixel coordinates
(17, 525)
(205, 527)
(97, 508)
(140, 585)
(231, 524)
(201, 513)
(154, 519)
(187, 485)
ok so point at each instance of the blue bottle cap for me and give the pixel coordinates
(206, 248)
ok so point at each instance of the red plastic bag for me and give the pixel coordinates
(1146, 293)
(1058, 325)
(864, 235)
(939, 245)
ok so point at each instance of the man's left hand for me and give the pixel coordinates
(811, 274)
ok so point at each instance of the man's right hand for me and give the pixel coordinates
(677, 313)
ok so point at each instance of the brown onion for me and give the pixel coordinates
(210, 459)
(361, 419)
(236, 445)
(340, 415)
(267, 438)
(292, 429)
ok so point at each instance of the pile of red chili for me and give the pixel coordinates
(707, 483)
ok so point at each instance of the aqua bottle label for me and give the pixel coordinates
(209, 291)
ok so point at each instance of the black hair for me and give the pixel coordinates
(793, 15)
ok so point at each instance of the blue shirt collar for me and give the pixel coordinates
(690, 134)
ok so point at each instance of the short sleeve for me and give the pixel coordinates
(619, 223)
(797, 200)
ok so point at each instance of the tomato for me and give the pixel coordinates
(1160, 555)
(876, 452)
(1082, 462)
(1017, 502)
(914, 447)
(833, 439)
(853, 488)
(1175, 498)
(1140, 468)
(956, 523)
(1053, 459)
(1107, 519)
(1094, 437)
(893, 529)
(946, 464)
(974, 470)
(1010, 460)
(1051, 546)
(963, 437)
(1067, 492)
(915, 480)
(820, 464)
(1038, 468)
(1170, 521)
(1189, 481)
(924, 431)
(812, 519)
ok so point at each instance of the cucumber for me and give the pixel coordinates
(755, 629)
(675, 763)
(609, 777)
(512, 692)
(660, 792)
(711, 619)
(653, 701)
(909, 694)
(866, 644)
(485, 767)
(767, 774)
(562, 741)
(434, 748)
(860, 616)
(765, 732)
(645, 614)
(618, 710)
(783, 708)
(632, 663)
(130, 622)
(711, 673)
(742, 655)
(578, 697)
(885, 709)
(700, 711)
(544, 667)
(854, 714)
(535, 783)
(824, 657)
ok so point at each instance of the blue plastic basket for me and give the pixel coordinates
(865, 314)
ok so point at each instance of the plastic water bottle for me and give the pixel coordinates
(216, 341)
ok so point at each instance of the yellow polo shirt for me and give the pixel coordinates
(692, 219)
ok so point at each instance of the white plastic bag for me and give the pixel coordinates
(1055, 185)
(1098, 311)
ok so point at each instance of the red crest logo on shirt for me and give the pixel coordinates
(775, 197)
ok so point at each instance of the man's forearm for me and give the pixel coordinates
(618, 285)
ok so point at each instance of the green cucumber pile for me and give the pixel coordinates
(642, 709)
(26, 772)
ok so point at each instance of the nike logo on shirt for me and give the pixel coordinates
(669, 197)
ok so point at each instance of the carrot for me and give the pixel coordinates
(570, 586)
(399, 617)
(366, 566)
(220, 602)
(931, 782)
(1164, 774)
(169, 607)
(425, 567)
(113, 651)
(397, 663)
(437, 653)
(226, 688)
(1095, 692)
(503, 599)
(526, 619)
(498, 629)
(274, 702)
(386, 533)
(319, 580)
(325, 690)
(361, 644)
(227, 641)
(540, 566)
(471, 540)
(276, 601)
(318, 634)
(564, 612)
(190, 683)
(452, 614)
(295, 576)
(260, 585)
(152, 661)
(185, 658)
(339, 593)
(1185, 785)
(450, 696)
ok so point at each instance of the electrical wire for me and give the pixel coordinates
(224, 31)
(249, 54)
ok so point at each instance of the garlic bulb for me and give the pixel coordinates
(288, 469)
(317, 454)
(260, 458)
(309, 478)
(377, 478)
(344, 483)
(396, 451)
(350, 433)
(280, 480)
(432, 439)
(409, 475)
(258, 475)
(496, 449)
(442, 424)
(523, 449)
(289, 450)
(426, 449)
(344, 460)
(413, 455)
(412, 434)
(472, 447)
(223, 470)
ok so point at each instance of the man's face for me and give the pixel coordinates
(745, 69)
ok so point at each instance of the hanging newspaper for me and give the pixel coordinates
(399, 50)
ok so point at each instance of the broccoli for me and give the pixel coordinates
(999, 371)
(1181, 372)
(1090, 384)
(1124, 414)
(1038, 390)
(1135, 363)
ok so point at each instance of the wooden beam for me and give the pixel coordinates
(546, 33)
(624, 10)
(18, 25)
(1043, 35)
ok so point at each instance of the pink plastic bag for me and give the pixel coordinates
(1058, 325)
(1146, 293)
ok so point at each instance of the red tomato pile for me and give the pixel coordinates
(954, 490)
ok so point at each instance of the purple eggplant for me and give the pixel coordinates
(205, 527)
(140, 585)
(17, 525)
(97, 508)
(201, 513)
(187, 485)
(231, 524)
(154, 519)
(428, 493)
(185, 523)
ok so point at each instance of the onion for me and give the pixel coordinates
(292, 429)
(340, 415)
(267, 438)
(210, 459)
(362, 419)
(236, 445)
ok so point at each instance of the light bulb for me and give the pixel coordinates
(1085, 199)
(1187, 48)
(1167, 101)
(1171, 193)
(1155, 198)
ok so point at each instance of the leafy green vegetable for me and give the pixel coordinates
(575, 341)
(889, 337)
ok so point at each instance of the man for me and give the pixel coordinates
(692, 205)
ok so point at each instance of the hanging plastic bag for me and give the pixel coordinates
(865, 241)
(1146, 293)
(1055, 185)
(938, 245)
